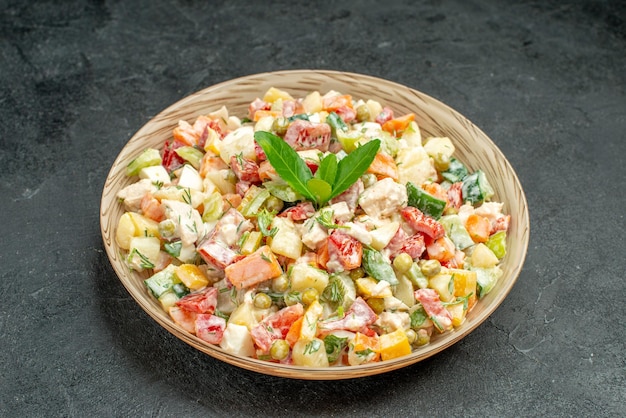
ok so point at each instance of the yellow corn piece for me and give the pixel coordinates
(394, 344)
(191, 276)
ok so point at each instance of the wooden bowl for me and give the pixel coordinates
(473, 148)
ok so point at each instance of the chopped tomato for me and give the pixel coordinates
(218, 254)
(384, 116)
(413, 246)
(384, 166)
(245, 169)
(455, 196)
(202, 302)
(479, 227)
(346, 250)
(260, 154)
(322, 255)
(303, 135)
(186, 319)
(171, 160)
(276, 326)
(398, 125)
(301, 212)
(210, 328)
(357, 318)
(422, 223)
(440, 316)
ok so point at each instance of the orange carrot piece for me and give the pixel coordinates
(333, 103)
(263, 113)
(384, 166)
(294, 332)
(399, 124)
(258, 267)
(478, 227)
(185, 133)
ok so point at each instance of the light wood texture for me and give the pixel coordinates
(473, 148)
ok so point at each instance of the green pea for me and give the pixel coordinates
(262, 300)
(362, 113)
(423, 337)
(430, 267)
(273, 204)
(402, 263)
(279, 350)
(411, 335)
(310, 295)
(357, 273)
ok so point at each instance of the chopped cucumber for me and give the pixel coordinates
(424, 201)
(147, 158)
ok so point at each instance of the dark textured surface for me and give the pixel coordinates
(545, 80)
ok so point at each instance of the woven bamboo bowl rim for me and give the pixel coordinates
(473, 148)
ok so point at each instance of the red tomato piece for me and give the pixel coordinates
(276, 326)
(347, 114)
(210, 328)
(260, 154)
(170, 160)
(384, 116)
(440, 316)
(256, 105)
(301, 212)
(413, 246)
(455, 195)
(218, 254)
(357, 318)
(245, 169)
(202, 302)
(346, 250)
(303, 135)
(422, 223)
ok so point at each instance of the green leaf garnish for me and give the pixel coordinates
(333, 175)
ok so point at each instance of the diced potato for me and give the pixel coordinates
(157, 174)
(287, 240)
(404, 291)
(126, 229)
(144, 226)
(439, 147)
(310, 353)
(412, 136)
(312, 103)
(264, 124)
(368, 287)
(383, 235)
(191, 276)
(190, 178)
(394, 344)
(239, 141)
(483, 257)
(457, 312)
(244, 315)
(237, 340)
(223, 179)
(441, 283)
(415, 165)
(143, 252)
(181, 194)
(304, 276)
(374, 108)
(273, 94)
(309, 323)
(168, 299)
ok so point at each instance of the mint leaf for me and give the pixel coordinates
(286, 161)
(350, 168)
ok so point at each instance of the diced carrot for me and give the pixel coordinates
(185, 133)
(258, 267)
(322, 255)
(231, 200)
(441, 249)
(333, 103)
(436, 190)
(396, 125)
(263, 113)
(151, 208)
(478, 227)
(294, 332)
(266, 171)
(210, 163)
(364, 349)
(384, 166)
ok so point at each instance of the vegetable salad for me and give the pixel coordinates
(316, 231)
